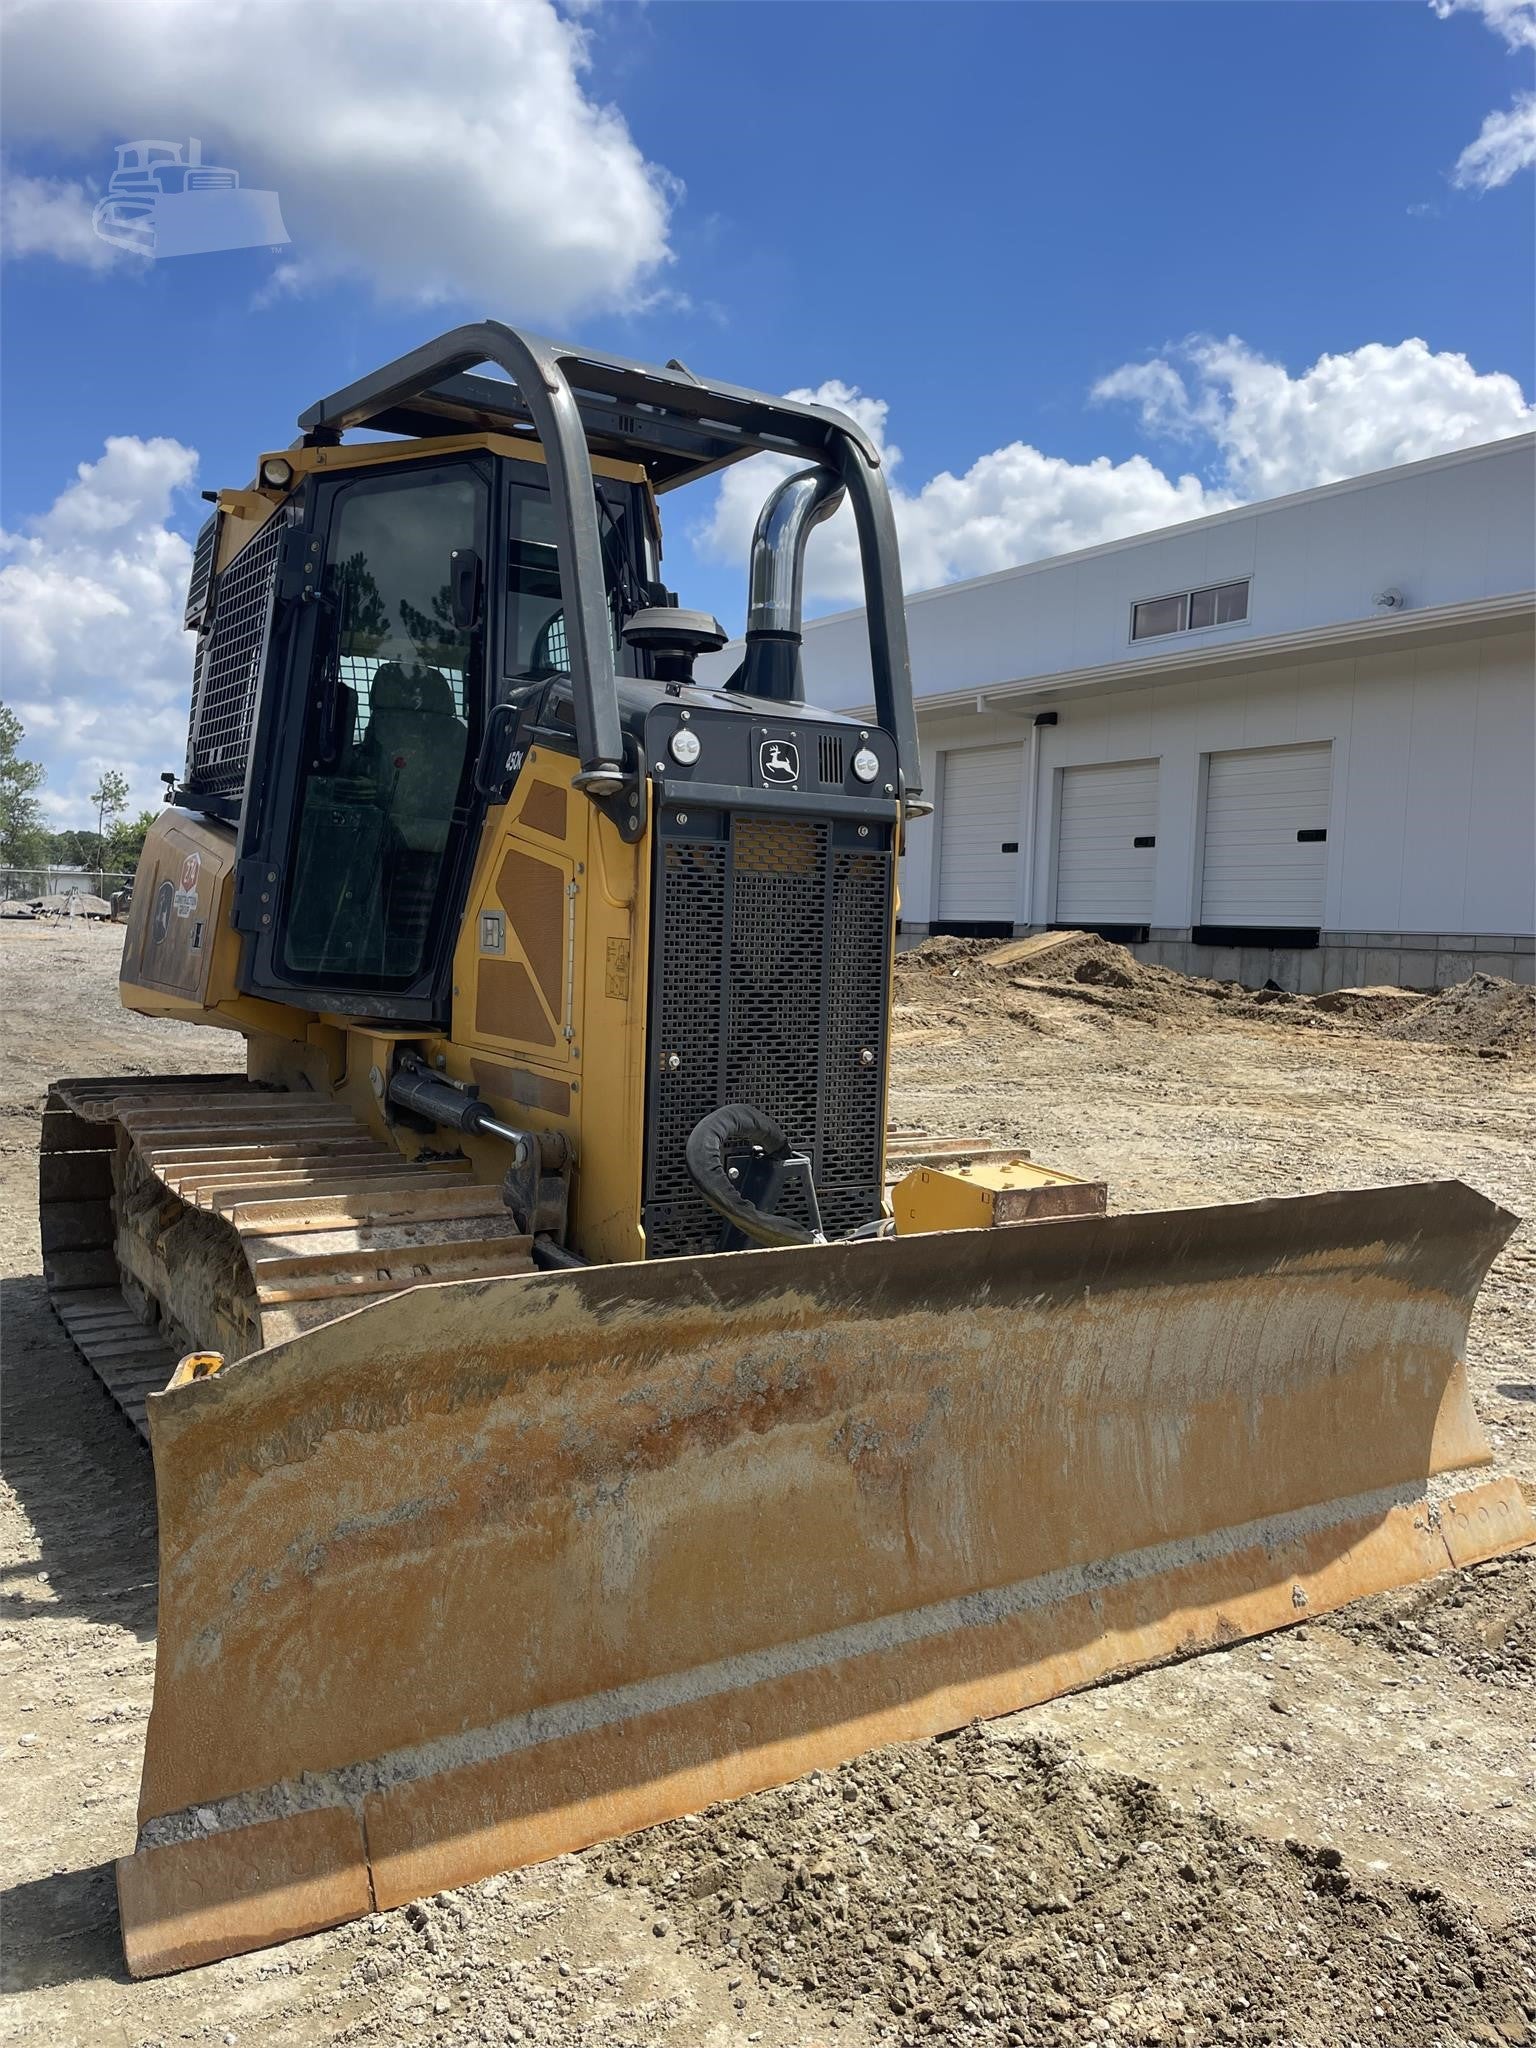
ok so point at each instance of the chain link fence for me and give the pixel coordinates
(53, 887)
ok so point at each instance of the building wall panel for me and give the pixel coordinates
(1501, 828)
(1441, 689)
(1431, 820)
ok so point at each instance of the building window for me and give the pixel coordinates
(1157, 616)
(1218, 604)
(1223, 604)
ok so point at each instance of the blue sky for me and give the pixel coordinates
(1066, 255)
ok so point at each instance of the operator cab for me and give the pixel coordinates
(412, 599)
(417, 643)
(398, 621)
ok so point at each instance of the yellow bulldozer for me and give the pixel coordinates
(568, 1406)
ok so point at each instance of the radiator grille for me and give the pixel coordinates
(229, 666)
(830, 751)
(856, 997)
(774, 993)
(687, 1009)
(768, 987)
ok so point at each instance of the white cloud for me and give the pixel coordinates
(1506, 142)
(51, 217)
(1367, 409)
(453, 158)
(1012, 505)
(97, 666)
(99, 670)
(1514, 20)
(1261, 431)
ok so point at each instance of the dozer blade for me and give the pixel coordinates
(497, 1569)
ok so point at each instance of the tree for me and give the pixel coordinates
(125, 842)
(110, 796)
(438, 641)
(23, 841)
(70, 848)
(364, 621)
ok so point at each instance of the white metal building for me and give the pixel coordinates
(1296, 740)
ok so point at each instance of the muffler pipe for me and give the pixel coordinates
(776, 581)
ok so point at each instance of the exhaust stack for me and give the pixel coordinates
(771, 667)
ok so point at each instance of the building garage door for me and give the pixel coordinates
(1106, 844)
(1266, 838)
(979, 835)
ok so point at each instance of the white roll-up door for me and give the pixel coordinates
(1266, 837)
(979, 835)
(1106, 843)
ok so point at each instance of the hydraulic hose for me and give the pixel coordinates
(738, 1126)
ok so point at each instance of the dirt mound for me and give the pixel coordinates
(1372, 1007)
(995, 1888)
(1485, 1013)
(958, 979)
(944, 949)
(983, 976)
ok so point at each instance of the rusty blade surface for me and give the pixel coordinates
(497, 1568)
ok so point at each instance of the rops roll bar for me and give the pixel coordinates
(678, 426)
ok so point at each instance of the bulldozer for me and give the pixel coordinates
(570, 1406)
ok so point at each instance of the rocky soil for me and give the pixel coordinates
(995, 1886)
(1326, 1837)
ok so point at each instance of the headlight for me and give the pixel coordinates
(277, 473)
(684, 746)
(866, 765)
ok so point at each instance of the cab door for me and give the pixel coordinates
(358, 853)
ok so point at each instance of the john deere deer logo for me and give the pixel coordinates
(779, 761)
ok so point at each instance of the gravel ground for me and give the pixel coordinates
(1323, 1838)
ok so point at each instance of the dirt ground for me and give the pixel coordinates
(1326, 1837)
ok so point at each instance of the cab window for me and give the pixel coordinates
(393, 719)
(535, 641)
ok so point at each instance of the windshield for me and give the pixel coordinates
(535, 637)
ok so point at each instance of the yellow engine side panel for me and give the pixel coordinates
(549, 982)
(181, 952)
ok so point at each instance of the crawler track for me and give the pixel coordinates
(203, 1212)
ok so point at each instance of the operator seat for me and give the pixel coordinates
(413, 753)
(413, 750)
